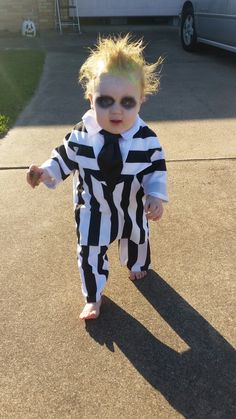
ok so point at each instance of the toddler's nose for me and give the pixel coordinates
(116, 108)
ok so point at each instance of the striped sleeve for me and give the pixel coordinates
(155, 177)
(63, 160)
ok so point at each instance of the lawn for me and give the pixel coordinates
(20, 72)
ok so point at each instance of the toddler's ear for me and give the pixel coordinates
(90, 98)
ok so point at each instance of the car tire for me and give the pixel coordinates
(188, 31)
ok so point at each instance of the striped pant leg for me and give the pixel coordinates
(93, 268)
(135, 256)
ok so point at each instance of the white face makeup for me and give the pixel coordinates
(116, 102)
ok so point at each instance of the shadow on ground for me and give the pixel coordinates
(198, 383)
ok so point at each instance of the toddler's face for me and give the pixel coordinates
(116, 101)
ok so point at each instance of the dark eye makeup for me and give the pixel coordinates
(104, 101)
(127, 102)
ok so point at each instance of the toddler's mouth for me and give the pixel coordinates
(115, 121)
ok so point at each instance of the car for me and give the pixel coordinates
(211, 22)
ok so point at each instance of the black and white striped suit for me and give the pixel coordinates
(102, 216)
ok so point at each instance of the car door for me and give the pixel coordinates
(232, 22)
(211, 19)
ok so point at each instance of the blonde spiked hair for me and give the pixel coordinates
(120, 56)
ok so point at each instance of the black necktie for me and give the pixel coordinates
(110, 159)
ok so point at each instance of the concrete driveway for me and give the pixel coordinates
(163, 346)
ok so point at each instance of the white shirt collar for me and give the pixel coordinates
(90, 122)
(93, 127)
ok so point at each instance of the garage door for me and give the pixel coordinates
(94, 8)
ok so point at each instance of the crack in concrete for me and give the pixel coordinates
(167, 161)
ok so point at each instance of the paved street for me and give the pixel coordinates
(163, 346)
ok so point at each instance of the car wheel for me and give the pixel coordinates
(188, 31)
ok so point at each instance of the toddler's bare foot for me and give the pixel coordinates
(90, 311)
(137, 275)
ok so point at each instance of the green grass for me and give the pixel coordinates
(20, 72)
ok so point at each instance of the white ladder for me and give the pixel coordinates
(67, 14)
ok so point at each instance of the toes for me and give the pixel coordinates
(132, 276)
(137, 275)
(88, 315)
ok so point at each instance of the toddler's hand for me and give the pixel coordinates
(36, 175)
(153, 208)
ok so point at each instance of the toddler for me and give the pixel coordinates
(117, 162)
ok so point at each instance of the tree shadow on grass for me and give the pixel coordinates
(198, 383)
